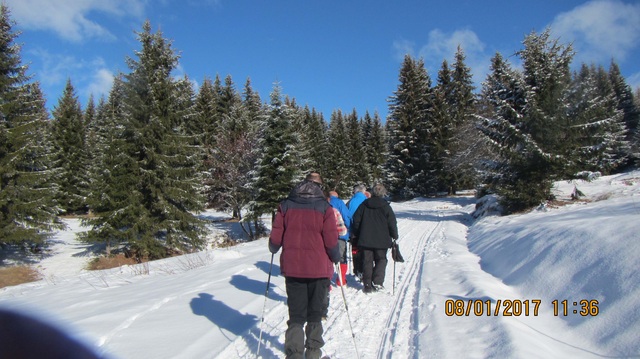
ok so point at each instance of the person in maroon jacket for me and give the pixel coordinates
(305, 228)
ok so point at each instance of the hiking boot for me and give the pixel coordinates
(369, 289)
(378, 287)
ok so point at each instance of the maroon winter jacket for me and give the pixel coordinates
(305, 227)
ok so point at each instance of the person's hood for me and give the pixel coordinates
(306, 190)
(375, 202)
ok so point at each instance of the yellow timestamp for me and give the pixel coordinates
(583, 307)
(518, 307)
(503, 307)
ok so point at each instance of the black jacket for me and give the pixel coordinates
(374, 224)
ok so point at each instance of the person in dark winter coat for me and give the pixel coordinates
(305, 228)
(359, 196)
(374, 227)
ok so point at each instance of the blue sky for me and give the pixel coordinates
(326, 54)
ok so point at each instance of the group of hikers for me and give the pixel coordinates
(314, 227)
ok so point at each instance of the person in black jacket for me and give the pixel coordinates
(374, 227)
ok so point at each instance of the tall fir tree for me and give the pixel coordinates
(157, 165)
(278, 165)
(408, 130)
(234, 156)
(445, 119)
(504, 100)
(375, 147)
(635, 137)
(314, 140)
(339, 173)
(596, 129)
(529, 121)
(27, 205)
(459, 162)
(71, 156)
(110, 199)
(358, 171)
(206, 114)
(630, 109)
(546, 77)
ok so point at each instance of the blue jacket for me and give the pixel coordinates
(338, 204)
(355, 202)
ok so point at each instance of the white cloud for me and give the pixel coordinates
(70, 18)
(600, 30)
(87, 76)
(442, 46)
(101, 84)
(402, 48)
(634, 81)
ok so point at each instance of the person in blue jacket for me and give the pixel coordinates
(338, 204)
(356, 200)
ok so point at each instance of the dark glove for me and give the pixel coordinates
(273, 249)
(353, 241)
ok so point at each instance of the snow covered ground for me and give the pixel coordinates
(495, 287)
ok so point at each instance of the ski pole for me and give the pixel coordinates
(393, 289)
(264, 306)
(346, 307)
(349, 258)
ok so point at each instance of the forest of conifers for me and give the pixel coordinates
(142, 162)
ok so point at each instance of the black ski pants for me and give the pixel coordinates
(374, 265)
(307, 301)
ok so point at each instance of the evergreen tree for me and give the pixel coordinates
(228, 97)
(232, 161)
(625, 103)
(547, 77)
(597, 128)
(445, 119)
(90, 116)
(408, 130)
(110, 198)
(277, 168)
(504, 100)
(529, 121)
(375, 147)
(614, 133)
(314, 138)
(635, 137)
(206, 114)
(206, 123)
(251, 99)
(339, 173)
(356, 155)
(234, 155)
(27, 206)
(69, 134)
(157, 165)
(464, 138)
